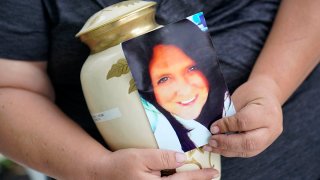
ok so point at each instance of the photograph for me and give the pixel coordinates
(177, 74)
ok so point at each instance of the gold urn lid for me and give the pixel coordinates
(118, 23)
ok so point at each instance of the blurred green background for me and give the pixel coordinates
(10, 170)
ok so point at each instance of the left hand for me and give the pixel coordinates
(255, 126)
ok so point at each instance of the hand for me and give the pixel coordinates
(257, 123)
(147, 164)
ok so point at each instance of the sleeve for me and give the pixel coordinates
(23, 30)
(169, 11)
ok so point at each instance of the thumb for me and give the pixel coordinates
(163, 159)
(243, 120)
(226, 124)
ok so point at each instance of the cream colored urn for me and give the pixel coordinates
(108, 85)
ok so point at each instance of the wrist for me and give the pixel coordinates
(95, 164)
(266, 85)
(84, 162)
(255, 88)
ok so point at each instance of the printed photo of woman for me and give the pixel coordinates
(177, 75)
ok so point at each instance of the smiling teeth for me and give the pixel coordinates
(188, 101)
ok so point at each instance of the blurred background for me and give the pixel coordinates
(10, 170)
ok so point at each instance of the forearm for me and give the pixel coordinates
(292, 49)
(36, 133)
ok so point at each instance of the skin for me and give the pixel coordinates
(289, 55)
(179, 86)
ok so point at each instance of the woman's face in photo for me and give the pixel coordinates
(179, 87)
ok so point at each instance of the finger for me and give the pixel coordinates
(244, 120)
(209, 173)
(251, 141)
(156, 173)
(227, 153)
(161, 159)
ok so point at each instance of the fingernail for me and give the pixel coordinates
(214, 130)
(180, 157)
(207, 148)
(213, 143)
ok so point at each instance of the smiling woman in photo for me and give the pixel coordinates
(178, 85)
(178, 77)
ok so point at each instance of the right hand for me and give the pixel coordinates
(147, 164)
